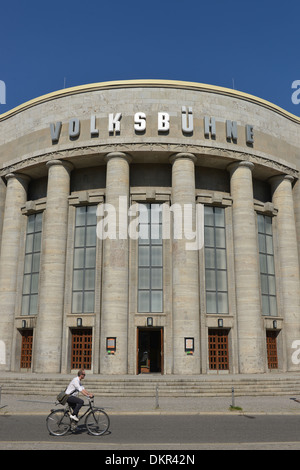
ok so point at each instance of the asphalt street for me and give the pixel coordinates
(160, 432)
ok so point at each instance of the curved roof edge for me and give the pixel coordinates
(149, 83)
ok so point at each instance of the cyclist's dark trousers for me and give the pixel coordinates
(75, 403)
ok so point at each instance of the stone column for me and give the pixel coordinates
(289, 263)
(185, 298)
(48, 337)
(16, 196)
(114, 315)
(251, 334)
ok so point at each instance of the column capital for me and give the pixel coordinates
(123, 155)
(191, 156)
(67, 165)
(19, 176)
(241, 164)
(277, 179)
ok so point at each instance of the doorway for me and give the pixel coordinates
(81, 352)
(149, 350)
(218, 349)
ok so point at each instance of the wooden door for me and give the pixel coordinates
(81, 356)
(26, 349)
(218, 349)
(272, 349)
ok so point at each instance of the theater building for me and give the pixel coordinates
(149, 226)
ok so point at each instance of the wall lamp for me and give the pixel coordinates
(79, 321)
(220, 322)
(274, 324)
(149, 321)
(23, 323)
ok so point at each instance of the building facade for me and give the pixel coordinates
(149, 226)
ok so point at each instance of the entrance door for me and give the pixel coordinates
(218, 349)
(26, 349)
(81, 355)
(150, 350)
(272, 349)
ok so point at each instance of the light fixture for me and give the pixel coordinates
(23, 323)
(149, 321)
(220, 322)
(79, 321)
(275, 324)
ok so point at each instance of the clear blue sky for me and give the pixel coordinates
(251, 46)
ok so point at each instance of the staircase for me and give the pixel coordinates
(146, 386)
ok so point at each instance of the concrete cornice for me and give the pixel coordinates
(154, 84)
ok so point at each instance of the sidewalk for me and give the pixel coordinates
(41, 405)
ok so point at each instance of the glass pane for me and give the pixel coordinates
(79, 236)
(222, 280)
(37, 242)
(219, 217)
(210, 257)
(221, 259)
(27, 264)
(209, 236)
(91, 236)
(89, 302)
(29, 244)
(265, 304)
(144, 256)
(273, 306)
(264, 284)
(144, 214)
(36, 262)
(26, 284)
(34, 283)
(262, 243)
(222, 302)
(268, 225)
(25, 304)
(208, 215)
(80, 215)
(77, 302)
(220, 238)
(272, 287)
(79, 258)
(210, 280)
(144, 278)
(30, 223)
(270, 264)
(156, 214)
(38, 222)
(90, 257)
(269, 245)
(33, 304)
(91, 215)
(89, 281)
(156, 234)
(261, 223)
(156, 278)
(211, 306)
(156, 301)
(156, 256)
(144, 301)
(144, 234)
(78, 279)
(263, 263)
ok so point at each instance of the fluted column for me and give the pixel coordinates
(185, 298)
(16, 196)
(114, 315)
(47, 346)
(251, 335)
(289, 262)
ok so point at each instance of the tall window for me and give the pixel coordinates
(32, 264)
(266, 259)
(83, 297)
(150, 275)
(215, 260)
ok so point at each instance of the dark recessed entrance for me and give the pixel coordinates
(149, 350)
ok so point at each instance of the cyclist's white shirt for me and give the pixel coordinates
(74, 387)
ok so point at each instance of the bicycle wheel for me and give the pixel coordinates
(58, 423)
(97, 422)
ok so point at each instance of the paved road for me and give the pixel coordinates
(148, 432)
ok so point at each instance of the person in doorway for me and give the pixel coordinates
(73, 390)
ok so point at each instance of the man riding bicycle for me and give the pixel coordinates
(73, 390)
